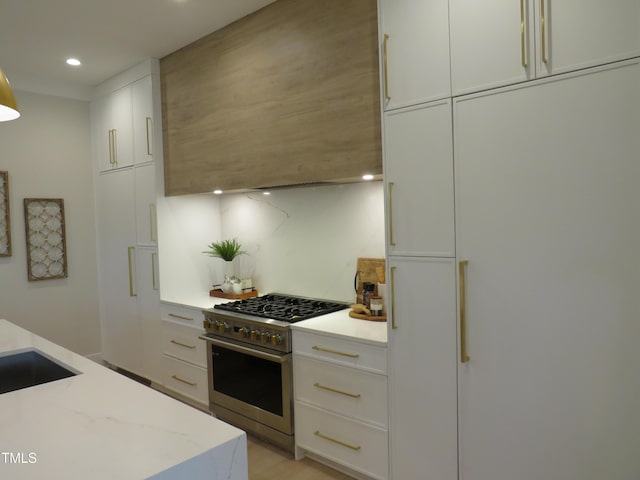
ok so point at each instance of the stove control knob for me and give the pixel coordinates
(254, 335)
(222, 327)
(265, 337)
(243, 332)
(206, 323)
(276, 340)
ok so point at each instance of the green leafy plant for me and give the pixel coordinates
(225, 249)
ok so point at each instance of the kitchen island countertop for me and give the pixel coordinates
(101, 425)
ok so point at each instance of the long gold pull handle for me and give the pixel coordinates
(386, 71)
(115, 146)
(181, 317)
(175, 342)
(392, 242)
(152, 222)
(462, 268)
(523, 36)
(132, 290)
(393, 298)
(329, 389)
(154, 274)
(339, 442)
(110, 147)
(187, 382)
(543, 29)
(335, 352)
(149, 130)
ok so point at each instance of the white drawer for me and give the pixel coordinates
(183, 342)
(361, 447)
(182, 315)
(341, 351)
(186, 379)
(353, 393)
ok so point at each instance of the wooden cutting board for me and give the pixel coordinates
(367, 271)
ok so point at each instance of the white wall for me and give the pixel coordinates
(47, 153)
(300, 241)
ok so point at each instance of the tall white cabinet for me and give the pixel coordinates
(128, 179)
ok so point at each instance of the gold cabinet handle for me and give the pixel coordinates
(523, 36)
(149, 130)
(180, 344)
(152, 222)
(132, 290)
(334, 390)
(115, 146)
(335, 352)
(393, 299)
(339, 442)
(154, 274)
(392, 242)
(181, 317)
(110, 147)
(186, 382)
(543, 32)
(462, 266)
(386, 71)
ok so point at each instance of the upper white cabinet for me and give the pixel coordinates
(418, 162)
(500, 42)
(414, 36)
(142, 111)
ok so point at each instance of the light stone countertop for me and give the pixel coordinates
(102, 425)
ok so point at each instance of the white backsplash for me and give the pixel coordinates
(300, 241)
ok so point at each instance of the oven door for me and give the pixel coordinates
(252, 383)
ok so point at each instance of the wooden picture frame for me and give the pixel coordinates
(45, 237)
(5, 216)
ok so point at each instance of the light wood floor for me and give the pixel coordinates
(269, 463)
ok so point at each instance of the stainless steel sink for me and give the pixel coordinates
(28, 368)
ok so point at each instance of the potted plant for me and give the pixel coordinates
(227, 250)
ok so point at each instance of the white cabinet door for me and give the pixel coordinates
(121, 125)
(121, 330)
(415, 51)
(418, 156)
(142, 101)
(422, 370)
(148, 302)
(547, 217)
(500, 42)
(145, 204)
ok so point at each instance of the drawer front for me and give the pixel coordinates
(186, 379)
(341, 351)
(192, 317)
(347, 391)
(183, 343)
(358, 446)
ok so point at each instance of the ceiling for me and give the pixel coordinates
(108, 36)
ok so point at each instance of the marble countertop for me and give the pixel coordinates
(102, 425)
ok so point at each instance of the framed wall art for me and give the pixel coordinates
(5, 221)
(45, 235)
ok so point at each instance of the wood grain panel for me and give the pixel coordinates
(287, 95)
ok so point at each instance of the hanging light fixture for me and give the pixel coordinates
(8, 106)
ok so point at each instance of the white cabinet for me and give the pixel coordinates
(501, 42)
(414, 37)
(418, 163)
(546, 215)
(340, 390)
(142, 120)
(422, 369)
(145, 204)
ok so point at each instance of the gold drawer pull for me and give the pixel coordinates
(191, 384)
(339, 442)
(175, 315)
(352, 395)
(335, 352)
(149, 130)
(175, 342)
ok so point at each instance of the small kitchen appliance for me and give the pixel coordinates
(250, 362)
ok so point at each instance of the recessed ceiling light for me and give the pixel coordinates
(218, 192)
(266, 193)
(74, 62)
(368, 176)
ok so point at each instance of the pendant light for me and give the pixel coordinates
(8, 106)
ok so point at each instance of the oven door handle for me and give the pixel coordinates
(249, 351)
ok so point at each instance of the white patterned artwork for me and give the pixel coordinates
(5, 224)
(46, 251)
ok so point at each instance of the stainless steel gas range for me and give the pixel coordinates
(249, 361)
